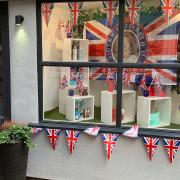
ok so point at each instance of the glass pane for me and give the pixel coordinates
(1, 75)
(80, 94)
(151, 31)
(80, 31)
(151, 98)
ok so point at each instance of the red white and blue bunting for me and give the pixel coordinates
(171, 146)
(72, 137)
(36, 130)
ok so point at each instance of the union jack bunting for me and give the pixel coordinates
(64, 83)
(171, 146)
(75, 8)
(110, 75)
(125, 77)
(151, 145)
(109, 141)
(36, 130)
(68, 28)
(93, 131)
(46, 10)
(142, 85)
(72, 137)
(53, 135)
(110, 8)
(167, 8)
(133, 7)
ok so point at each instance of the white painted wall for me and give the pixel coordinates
(129, 160)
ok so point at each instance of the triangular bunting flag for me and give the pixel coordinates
(93, 131)
(150, 144)
(36, 130)
(133, 132)
(53, 135)
(109, 141)
(72, 137)
(171, 146)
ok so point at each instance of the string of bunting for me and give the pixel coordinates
(109, 140)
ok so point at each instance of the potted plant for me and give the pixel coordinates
(15, 140)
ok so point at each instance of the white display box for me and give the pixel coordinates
(128, 104)
(66, 47)
(70, 107)
(148, 105)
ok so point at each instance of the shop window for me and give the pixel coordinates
(102, 63)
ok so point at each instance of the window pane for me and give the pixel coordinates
(151, 98)
(152, 35)
(79, 94)
(80, 31)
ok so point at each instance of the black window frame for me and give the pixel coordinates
(4, 17)
(120, 65)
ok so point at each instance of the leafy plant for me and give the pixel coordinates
(12, 133)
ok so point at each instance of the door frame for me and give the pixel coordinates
(4, 18)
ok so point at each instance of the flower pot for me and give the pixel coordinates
(13, 161)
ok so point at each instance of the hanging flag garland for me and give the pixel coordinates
(72, 137)
(133, 7)
(46, 10)
(93, 131)
(64, 83)
(36, 130)
(75, 8)
(167, 7)
(171, 146)
(110, 8)
(53, 135)
(151, 145)
(109, 141)
(133, 132)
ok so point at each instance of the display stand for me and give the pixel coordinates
(88, 104)
(148, 105)
(128, 104)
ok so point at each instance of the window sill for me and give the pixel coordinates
(161, 133)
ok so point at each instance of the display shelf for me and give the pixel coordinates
(88, 103)
(148, 105)
(128, 104)
(66, 47)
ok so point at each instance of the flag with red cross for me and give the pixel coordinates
(151, 145)
(171, 146)
(109, 141)
(72, 137)
(53, 135)
(36, 130)
(46, 10)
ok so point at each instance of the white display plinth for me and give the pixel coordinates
(128, 104)
(70, 107)
(145, 108)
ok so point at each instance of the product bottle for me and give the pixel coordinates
(75, 53)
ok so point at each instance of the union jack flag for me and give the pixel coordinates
(110, 75)
(72, 137)
(64, 83)
(109, 141)
(46, 10)
(53, 135)
(110, 8)
(142, 85)
(133, 7)
(68, 28)
(36, 130)
(167, 8)
(150, 144)
(75, 8)
(171, 146)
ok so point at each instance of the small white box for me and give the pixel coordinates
(145, 107)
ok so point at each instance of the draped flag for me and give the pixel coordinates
(171, 146)
(75, 8)
(72, 137)
(53, 135)
(133, 132)
(93, 131)
(110, 8)
(109, 141)
(167, 8)
(36, 130)
(46, 10)
(133, 7)
(150, 144)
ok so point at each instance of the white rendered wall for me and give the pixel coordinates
(129, 159)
